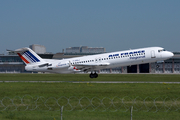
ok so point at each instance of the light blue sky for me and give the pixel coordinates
(113, 24)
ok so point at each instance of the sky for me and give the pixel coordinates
(113, 24)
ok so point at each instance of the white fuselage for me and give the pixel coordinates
(103, 61)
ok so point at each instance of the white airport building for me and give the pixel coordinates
(85, 49)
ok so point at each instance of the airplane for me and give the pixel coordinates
(92, 63)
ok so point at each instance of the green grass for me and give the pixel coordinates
(85, 77)
(77, 115)
(90, 90)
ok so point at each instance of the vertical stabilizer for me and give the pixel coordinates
(28, 56)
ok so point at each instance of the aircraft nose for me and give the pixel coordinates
(167, 54)
(170, 54)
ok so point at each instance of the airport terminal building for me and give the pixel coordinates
(13, 64)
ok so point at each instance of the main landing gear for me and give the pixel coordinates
(93, 75)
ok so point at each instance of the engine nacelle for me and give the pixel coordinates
(31, 68)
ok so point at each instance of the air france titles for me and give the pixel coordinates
(132, 55)
(138, 54)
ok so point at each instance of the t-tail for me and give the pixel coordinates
(28, 56)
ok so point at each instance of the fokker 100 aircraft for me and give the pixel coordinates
(92, 63)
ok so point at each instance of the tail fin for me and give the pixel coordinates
(28, 56)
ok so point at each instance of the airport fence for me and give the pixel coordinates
(73, 103)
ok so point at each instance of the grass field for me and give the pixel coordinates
(78, 115)
(89, 90)
(85, 77)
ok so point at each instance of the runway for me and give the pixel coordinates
(105, 82)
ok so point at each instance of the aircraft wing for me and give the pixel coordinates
(90, 67)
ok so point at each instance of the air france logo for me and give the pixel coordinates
(114, 55)
(135, 52)
(131, 55)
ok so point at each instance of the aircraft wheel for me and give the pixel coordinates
(95, 75)
(91, 75)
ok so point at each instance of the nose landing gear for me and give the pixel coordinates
(93, 75)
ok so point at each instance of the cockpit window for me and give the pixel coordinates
(161, 50)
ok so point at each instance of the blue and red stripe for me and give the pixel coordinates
(26, 61)
(31, 57)
(35, 58)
